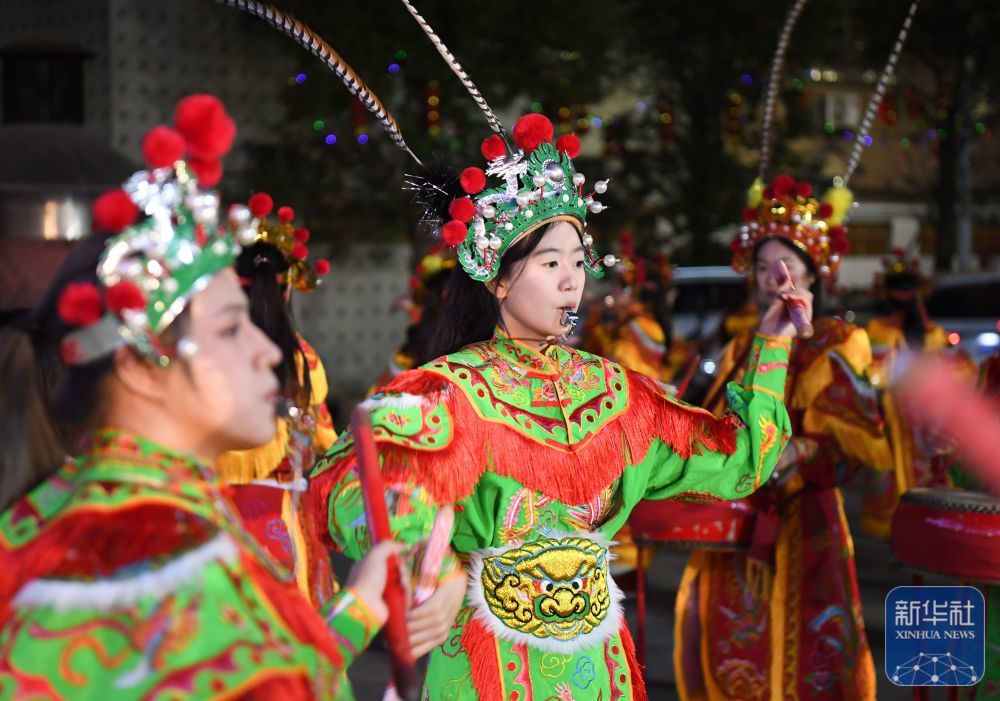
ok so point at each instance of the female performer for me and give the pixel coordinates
(784, 620)
(127, 574)
(542, 449)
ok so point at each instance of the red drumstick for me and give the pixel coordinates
(796, 306)
(404, 671)
(936, 399)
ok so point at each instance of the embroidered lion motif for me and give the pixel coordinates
(553, 589)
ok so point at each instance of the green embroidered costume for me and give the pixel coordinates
(544, 455)
(123, 578)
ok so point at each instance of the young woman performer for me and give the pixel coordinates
(792, 602)
(127, 573)
(542, 449)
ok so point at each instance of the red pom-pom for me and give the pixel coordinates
(124, 295)
(162, 147)
(113, 211)
(80, 304)
(300, 252)
(783, 185)
(301, 235)
(570, 143)
(208, 172)
(286, 213)
(749, 214)
(453, 233)
(462, 209)
(322, 266)
(531, 130)
(768, 193)
(493, 147)
(473, 180)
(803, 189)
(260, 204)
(825, 210)
(838, 240)
(207, 129)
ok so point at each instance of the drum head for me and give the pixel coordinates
(953, 500)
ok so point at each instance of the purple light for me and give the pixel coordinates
(331, 139)
(300, 78)
(394, 68)
(362, 138)
(867, 141)
(848, 134)
(641, 106)
(747, 79)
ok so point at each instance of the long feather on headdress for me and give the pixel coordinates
(318, 46)
(456, 67)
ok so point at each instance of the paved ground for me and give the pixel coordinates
(877, 575)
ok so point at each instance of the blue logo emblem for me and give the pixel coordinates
(935, 636)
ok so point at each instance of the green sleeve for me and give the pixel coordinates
(411, 515)
(763, 428)
(352, 623)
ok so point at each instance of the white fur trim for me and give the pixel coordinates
(481, 611)
(393, 401)
(107, 594)
(301, 485)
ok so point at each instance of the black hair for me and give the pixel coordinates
(816, 288)
(45, 404)
(470, 311)
(259, 267)
(420, 336)
(914, 326)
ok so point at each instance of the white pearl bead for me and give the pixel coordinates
(601, 186)
(579, 179)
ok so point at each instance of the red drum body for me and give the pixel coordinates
(950, 532)
(722, 525)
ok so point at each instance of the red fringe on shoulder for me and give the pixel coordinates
(573, 475)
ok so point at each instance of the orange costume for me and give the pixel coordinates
(268, 486)
(784, 620)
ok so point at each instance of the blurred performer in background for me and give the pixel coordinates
(267, 484)
(920, 459)
(784, 620)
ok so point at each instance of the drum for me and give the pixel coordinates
(721, 525)
(950, 532)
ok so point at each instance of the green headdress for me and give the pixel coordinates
(149, 272)
(541, 186)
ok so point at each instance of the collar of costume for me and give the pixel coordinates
(511, 402)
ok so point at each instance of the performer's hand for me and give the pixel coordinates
(368, 576)
(430, 622)
(776, 321)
